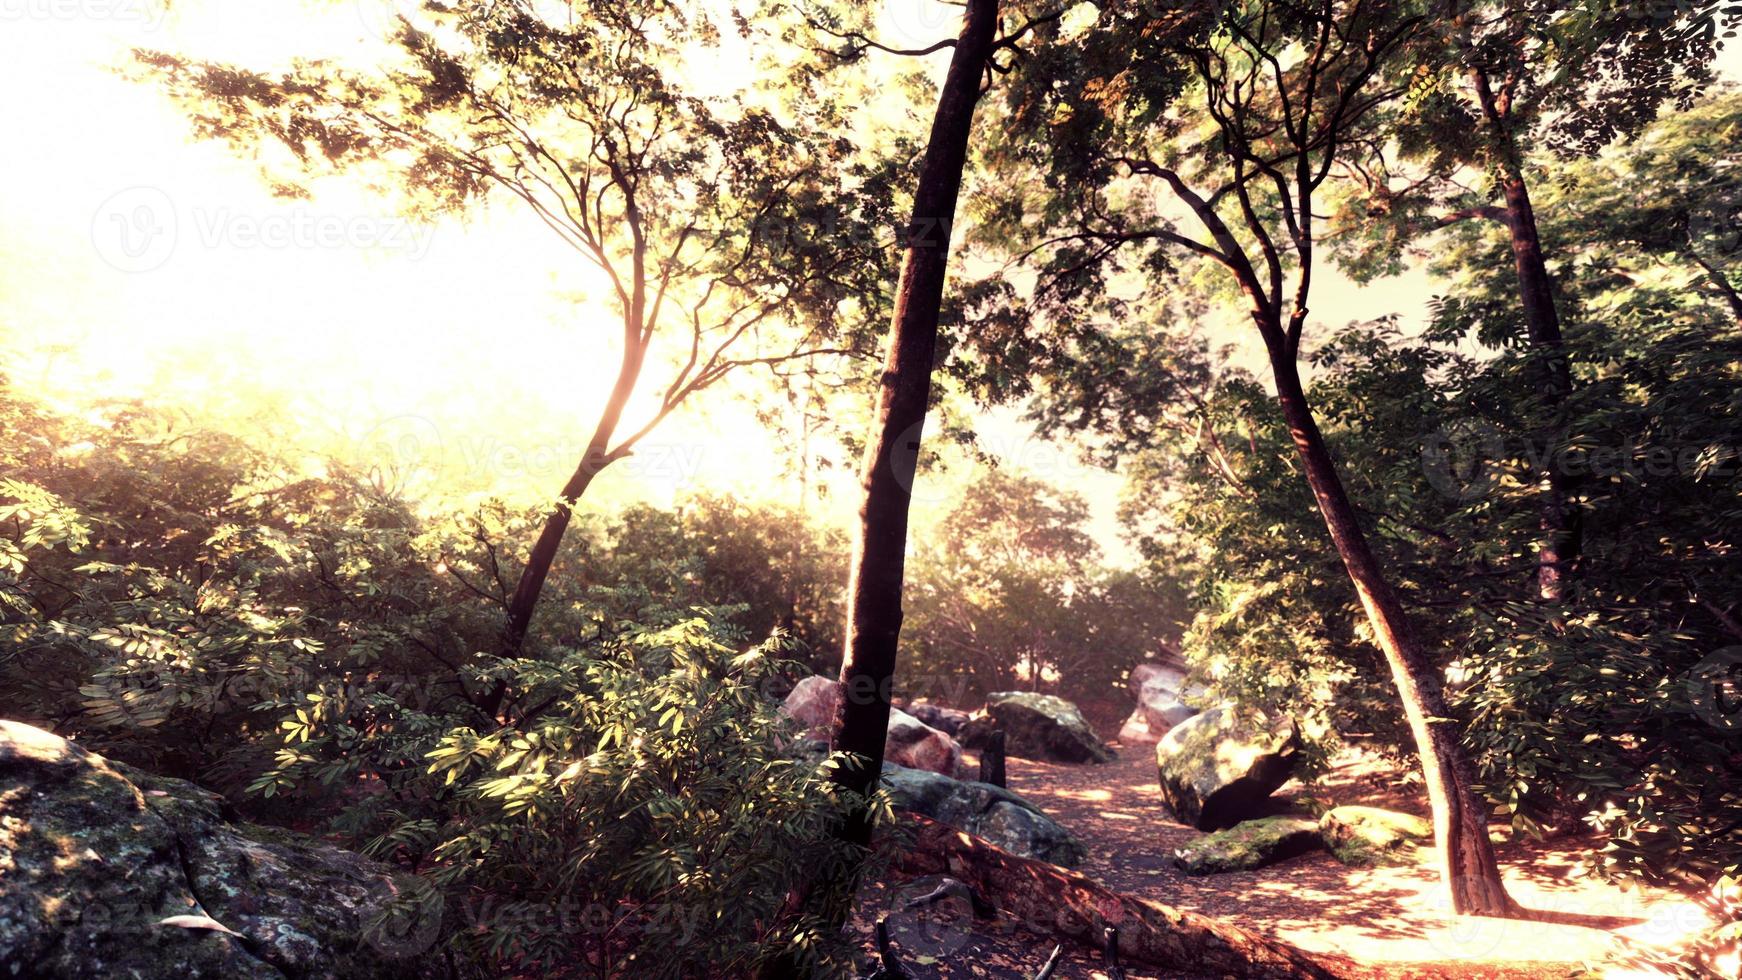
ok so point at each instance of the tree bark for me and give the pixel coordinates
(1559, 522)
(1048, 898)
(1464, 852)
(598, 456)
(887, 473)
(887, 470)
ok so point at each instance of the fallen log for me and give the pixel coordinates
(1048, 898)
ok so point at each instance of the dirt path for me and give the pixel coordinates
(1393, 918)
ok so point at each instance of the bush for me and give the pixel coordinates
(314, 649)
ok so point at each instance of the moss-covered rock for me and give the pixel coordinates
(984, 810)
(1215, 771)
(1368, 835)
(1037, 726)
(1248, 845)
(108, 871)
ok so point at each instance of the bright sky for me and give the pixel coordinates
(135, 261)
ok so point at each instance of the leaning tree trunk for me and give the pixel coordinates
(550, 538)
(1465, 854)
(874, 593)
(1559, 521)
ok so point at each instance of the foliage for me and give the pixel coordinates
(1588, 713)
(318, 652)
(1009, 594)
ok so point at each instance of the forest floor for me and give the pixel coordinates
(1391, 920)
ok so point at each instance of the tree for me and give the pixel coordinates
(1277, 95)
(1008, 592)
(1498, 79)
(888, 468)
(1674, 195)
(738, 236)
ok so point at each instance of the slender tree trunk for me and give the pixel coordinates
(1465, 854)
(1562, 533)
(887, 471)
(598, 456)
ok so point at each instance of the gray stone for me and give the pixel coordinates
(984, 810)
(1215, 772)
(1037, 726)
(946, 720)
(1249, 844)
(1368, 835)
(107, 871)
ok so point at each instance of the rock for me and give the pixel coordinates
(910, 742)
(1215, 772)
(916, 745)
(813, 703)
(1150, 721)
(990, 812)
(1249, 844)
(1367, 835)
(1160, 692)
(107, 871)
(1154, 676)
(1037, 726)
(946, 720)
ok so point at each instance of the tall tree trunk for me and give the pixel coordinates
(887, 470)
(1560, 523)
(1465, 854)
(887, 474)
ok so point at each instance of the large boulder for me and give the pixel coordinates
(1156, 677)
(1216, 771)
(984, 810)
(1368, 835)
(946, 720)
(814, 702)
(916, 745)
(1249, 844)
(107, 871)
(1037, 726)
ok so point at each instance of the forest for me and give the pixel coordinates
(997, 488)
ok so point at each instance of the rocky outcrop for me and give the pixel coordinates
(1215, 771)
(991, 812)
(1160, 695)
(1368, 835)
(910, 742)
(1037, 726)
(106, 871)
(1249, 844)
